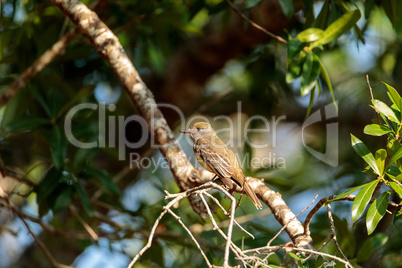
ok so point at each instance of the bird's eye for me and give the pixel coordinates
(198, 129)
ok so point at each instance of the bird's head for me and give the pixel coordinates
(199, 130)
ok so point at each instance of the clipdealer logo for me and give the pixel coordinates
(330, 156)
(112, 133)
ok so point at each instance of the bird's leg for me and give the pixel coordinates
(218, 180)
(241, 194)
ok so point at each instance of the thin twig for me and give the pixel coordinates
(260, 250)
(325, 243)
(397, 182)
(283, 228)
(347, 264)
(230, 227)
(372, 98)
(191, 235)
(50, 229)
(153, 230)
(86, 226)
(332, 225)
(235, 249)
(207, 185)
(320, 248)
(230, 230)
(378, 115)
(224, 223)
(255, 25)
(371, 90)
(49, 256)
(325, 199)
(313, 211)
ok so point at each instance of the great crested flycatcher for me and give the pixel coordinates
(217, 158)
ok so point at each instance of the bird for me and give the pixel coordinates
(212, 153)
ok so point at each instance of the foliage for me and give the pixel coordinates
(271, 78)
(383, 164)
(304, 63)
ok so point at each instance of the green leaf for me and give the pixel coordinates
(393, 172)
(58, 147)
(362, 199)
(338, 27)
(368, 6)
(319, 262)
(55, 102)
(156, 250)
(46, 187)
(294, 256)
(396, 187)
(342, 195)
(345, 8)
(383, 109)
(84, 199)
(362, 150)
(310, 35)
(311, 102)
(384, 118)
(310, 72)
(370, 246)
(319, 91)
(48, 183)
(81, 158)
(380, 157)
(104, 179)
(391, 8)
(376, 212)
(250, 3)
(13, 110)
(83, 92)
(398, 177)
(393, 106)
(294, 48)
(62, 200)
(323, 16)
(395, 157)
(38, 96)
(287, 7)
(26, 123)
(376, 130)
(156, 57)
(294, 68)
(394, 96)
(345, 234)
(296, 58)
(329, 84)
(398, 216)
(308, 12)
(400, 114)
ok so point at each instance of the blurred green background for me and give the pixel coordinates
(201, 57)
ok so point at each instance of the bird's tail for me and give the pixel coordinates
(250, 192)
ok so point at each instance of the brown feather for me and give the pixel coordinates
(216, 157)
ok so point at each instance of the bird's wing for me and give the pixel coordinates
(219, 163)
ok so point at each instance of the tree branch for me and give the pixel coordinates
(45, 251)
(255, 25)
(186, 176)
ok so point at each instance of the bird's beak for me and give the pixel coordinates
(187, 131)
